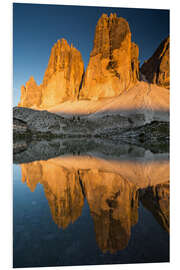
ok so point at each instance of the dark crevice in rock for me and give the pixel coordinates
(81, 185)
(81, 83)
(112, 64)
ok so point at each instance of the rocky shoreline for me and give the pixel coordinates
(43, 135)
(28, 122)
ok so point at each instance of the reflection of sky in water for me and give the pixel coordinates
(102, 213)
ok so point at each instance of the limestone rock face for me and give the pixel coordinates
(62, 79)
(134, 62)
(113, 65)
(30, 94)
(156, 69)
(113, 204)
(112, 189)
(156, 199)
(63, 76)
(61, 187)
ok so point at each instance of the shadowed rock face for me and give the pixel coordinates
(113, 65)
(156, 69)
(62, 79)
(112, 195)
(156, 200)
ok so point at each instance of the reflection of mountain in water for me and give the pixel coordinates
(111, 188)
(156, 199)
(61, 187)
(113, 203)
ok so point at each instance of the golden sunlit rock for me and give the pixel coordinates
(113, 66)
(61, 186)
(113, 69)
(113, 204)
(112, 190)
(63, 75)
(31, 94)
(62, 79)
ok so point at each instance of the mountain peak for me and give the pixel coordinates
(156, 68)
(111, 68)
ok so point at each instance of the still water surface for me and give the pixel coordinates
(83, 210)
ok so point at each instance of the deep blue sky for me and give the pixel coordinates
(37, 27)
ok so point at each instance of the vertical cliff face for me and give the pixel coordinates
(113, 68)
(64, 195)
(61, 186)
(31, 94)
(112, 193)
(62, 79)
(113, 65)
(134, 62)
(63, 76)
(113, 204)
(156, 69)
(156, 200)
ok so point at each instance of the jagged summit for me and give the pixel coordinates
(112, 70)
(30, 94)
(113, 66)
(63, 75)
(61, 80)
(109, 29)
(156, 69)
